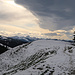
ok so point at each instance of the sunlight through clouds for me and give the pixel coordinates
(35, 18)
(18, 19)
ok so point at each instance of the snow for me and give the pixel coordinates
(3, 37)
(58, 58)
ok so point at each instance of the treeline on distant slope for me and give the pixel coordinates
(11, 42)
(3, 49)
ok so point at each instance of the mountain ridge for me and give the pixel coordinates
(42, 57)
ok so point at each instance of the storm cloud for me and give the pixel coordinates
(53, 14)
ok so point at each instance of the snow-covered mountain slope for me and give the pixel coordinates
(42, 57)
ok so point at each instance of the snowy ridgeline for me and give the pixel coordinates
(42, 57)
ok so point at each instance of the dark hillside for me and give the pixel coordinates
(10, 41)
(2, 49)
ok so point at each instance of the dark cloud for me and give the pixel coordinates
(51, 34)
(53, 14)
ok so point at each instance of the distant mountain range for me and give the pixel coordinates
(11, 42)
(27, 38)
(6, 42)
(18, 40)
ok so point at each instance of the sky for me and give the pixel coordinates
(38, 18)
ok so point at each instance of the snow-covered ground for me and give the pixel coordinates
(42, 57)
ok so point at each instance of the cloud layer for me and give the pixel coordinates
(15, 18)
(40, 18)
(53, 14)
(12, 13)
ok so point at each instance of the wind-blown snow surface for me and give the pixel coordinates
(42, 57)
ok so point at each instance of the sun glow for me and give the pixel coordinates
(13, 3)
